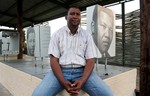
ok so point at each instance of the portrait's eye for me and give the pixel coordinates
(34, 41)
(30, 40)
(103, 26)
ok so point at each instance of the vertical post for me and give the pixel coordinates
(145, 48)
(96, 64)
(1, 46)
(106, 66)
(105, 63)
(123, 32)
(19, 27)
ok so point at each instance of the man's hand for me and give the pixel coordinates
(78, 84)
(73, 88)
(67, 85)
(76, 87)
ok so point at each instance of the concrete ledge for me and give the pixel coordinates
(22, 84)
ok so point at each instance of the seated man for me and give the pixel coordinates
(72, 52)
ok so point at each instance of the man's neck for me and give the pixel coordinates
(73, 29)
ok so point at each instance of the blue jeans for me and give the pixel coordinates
(50, 86)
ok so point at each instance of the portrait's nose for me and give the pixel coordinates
(32, 44)
(107, 32)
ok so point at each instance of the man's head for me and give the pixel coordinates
(105, 29)
(31, 41)
(73, 17)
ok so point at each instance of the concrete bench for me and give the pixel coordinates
(22, 84)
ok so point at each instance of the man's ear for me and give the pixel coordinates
(66, 17)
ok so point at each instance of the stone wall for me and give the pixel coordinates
(131, 44)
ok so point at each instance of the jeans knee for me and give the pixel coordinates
(35, 93)
(38, 94)
(44, 93)
(100, 93)
(109, 94)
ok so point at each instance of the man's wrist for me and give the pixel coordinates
(83, 79)
(63, 82)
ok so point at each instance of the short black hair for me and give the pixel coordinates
(72, 7)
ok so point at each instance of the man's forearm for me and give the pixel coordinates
(58, 73)
(56, 68)
(88, 69)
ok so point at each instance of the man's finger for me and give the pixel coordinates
(72, 85)
(73, 92)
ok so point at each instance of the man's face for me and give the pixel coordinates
(73, 17)
(105, 31)
(31, 43)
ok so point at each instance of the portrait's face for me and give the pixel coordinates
(105, 31)
(31, 43)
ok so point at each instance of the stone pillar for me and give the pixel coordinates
(19, 27)
(145, 48)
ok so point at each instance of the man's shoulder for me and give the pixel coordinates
(60, 30)
(63, 28)
(84, 32)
